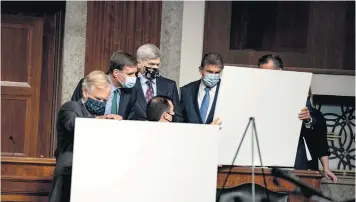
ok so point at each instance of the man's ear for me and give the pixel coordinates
(201, 71)
(84, 93)
(115, 73)
(140, 64)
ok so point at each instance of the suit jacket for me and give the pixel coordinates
(165, 87)
(65, 124)
(127, 100)
(189, 103)
(316, 139)
(61, 184)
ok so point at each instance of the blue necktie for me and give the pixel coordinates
(205, 105)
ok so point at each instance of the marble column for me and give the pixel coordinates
(182, 32)
(73, 47)
(171, 38)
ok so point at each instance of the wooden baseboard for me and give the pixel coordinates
(26, 179)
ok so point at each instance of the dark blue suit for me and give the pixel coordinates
(165, 87)
(189, 103)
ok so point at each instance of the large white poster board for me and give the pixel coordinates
(135, 161)
(274, 98)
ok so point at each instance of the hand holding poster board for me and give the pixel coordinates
(274, 98)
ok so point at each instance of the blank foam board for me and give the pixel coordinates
(136, 161)
(274, 98)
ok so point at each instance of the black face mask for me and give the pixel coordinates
(151, 73)
(95, 107)
(171, 116)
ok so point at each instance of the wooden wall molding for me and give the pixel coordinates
(26, 179)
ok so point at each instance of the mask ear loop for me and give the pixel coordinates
(168, 119)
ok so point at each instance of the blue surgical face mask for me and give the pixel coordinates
(211, 80)
(95, 107)
(130, 82)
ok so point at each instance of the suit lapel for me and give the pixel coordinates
(122, 103)
(140, 95)
(159, 86)
(84, 109)
(195, 92)
(212, 110)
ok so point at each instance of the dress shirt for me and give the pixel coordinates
(201, 94)
(109, 102)
(144, 85)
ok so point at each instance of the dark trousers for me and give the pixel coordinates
(62, 179)
(61, 189)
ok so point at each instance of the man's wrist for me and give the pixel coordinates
(309, 123)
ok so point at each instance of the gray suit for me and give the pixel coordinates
(64, 153)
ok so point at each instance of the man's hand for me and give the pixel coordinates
(304, 114)
(113, 116)
(216, 121)
(330, 175)
(110, 116)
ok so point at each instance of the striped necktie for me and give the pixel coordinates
(205, 105)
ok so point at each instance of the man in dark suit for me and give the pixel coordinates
(198, 98)
(95, 93)
(121, 74)
(313, 133)
(150, 83)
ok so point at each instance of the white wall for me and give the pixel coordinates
(338, 85)
(192, 41)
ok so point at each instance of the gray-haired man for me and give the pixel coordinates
(150, 83)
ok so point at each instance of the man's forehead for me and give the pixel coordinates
(269, 65)
(153, 61)
(211, 67)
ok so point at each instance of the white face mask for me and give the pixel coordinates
(211, 80)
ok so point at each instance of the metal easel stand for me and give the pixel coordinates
(253, 136)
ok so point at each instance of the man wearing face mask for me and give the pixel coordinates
(121, 74)
(198, 99)
(313, 143)
(150, 83)
(161, 109)
(95, 93)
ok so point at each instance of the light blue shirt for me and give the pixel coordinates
(109, 102)
(144, 85)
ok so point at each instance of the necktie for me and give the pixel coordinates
(114, 102)
(149, 91)
(205, 105)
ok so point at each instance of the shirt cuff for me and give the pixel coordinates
(309, 124)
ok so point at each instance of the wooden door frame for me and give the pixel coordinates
(54, 13)
(57, 91)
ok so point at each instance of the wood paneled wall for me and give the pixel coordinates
(321, 41)
(119, 25)
(26, 179)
